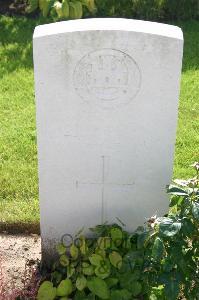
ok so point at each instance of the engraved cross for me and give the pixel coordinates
(103, 184)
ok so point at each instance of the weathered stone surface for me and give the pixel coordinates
(107, 100)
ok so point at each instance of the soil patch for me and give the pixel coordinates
(16, 253)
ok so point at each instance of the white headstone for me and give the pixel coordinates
(107, 100)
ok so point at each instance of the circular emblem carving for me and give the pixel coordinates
(108, 76)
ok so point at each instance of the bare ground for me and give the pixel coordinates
(17, 252)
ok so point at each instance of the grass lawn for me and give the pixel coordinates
(18, 154)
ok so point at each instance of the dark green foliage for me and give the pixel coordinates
(149, 9)
(157, 10)
(158, 261)
(63, 9)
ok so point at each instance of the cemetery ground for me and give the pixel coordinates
(19, 208)
(18, 253)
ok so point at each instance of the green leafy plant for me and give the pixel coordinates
(62, 9)
(159, 261)
(139, 9)
(149, 9)
(97, 268)
(175, 249)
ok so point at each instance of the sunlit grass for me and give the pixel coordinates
(187, 143)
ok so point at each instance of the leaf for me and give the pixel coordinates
(168, 227)
(74, 251)
(104, 242)
(87, 269)
(99, 287)
(90, 297)
(175, 190)
(131, 259)
(175, 200)
(58, 8)
(195, 210)
(104, 270)
(61, 249)
(100, 230)
(120, 295)
(188, 227)
(32, 5)
(46, 291)
(101, 252)
(111, 282)
(80, 295)
(81, 282)
(136, 288)
(172, 286)
(158, 249)
(64, 261)
(75, 10)
(143, 239)
(128, 264)
(152, 296)
(129, 281)
(70, 271)
(136, 274)
(115, 259)
(157, 293)
(117, 236)
(45, 6)
(90, 4)
(64, 288)
(56, 277)
(167, 264)
(65, 9)
(83, 245)
(95, 259)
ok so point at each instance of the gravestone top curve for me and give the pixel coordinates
(109, 24)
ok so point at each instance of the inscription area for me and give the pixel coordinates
(103, 184)
(108, 76)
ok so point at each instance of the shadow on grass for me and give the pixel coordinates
(20, 227)
(16, 38)
(16, 43)
(191, 44)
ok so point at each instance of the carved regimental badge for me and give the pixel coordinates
(109, 77)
